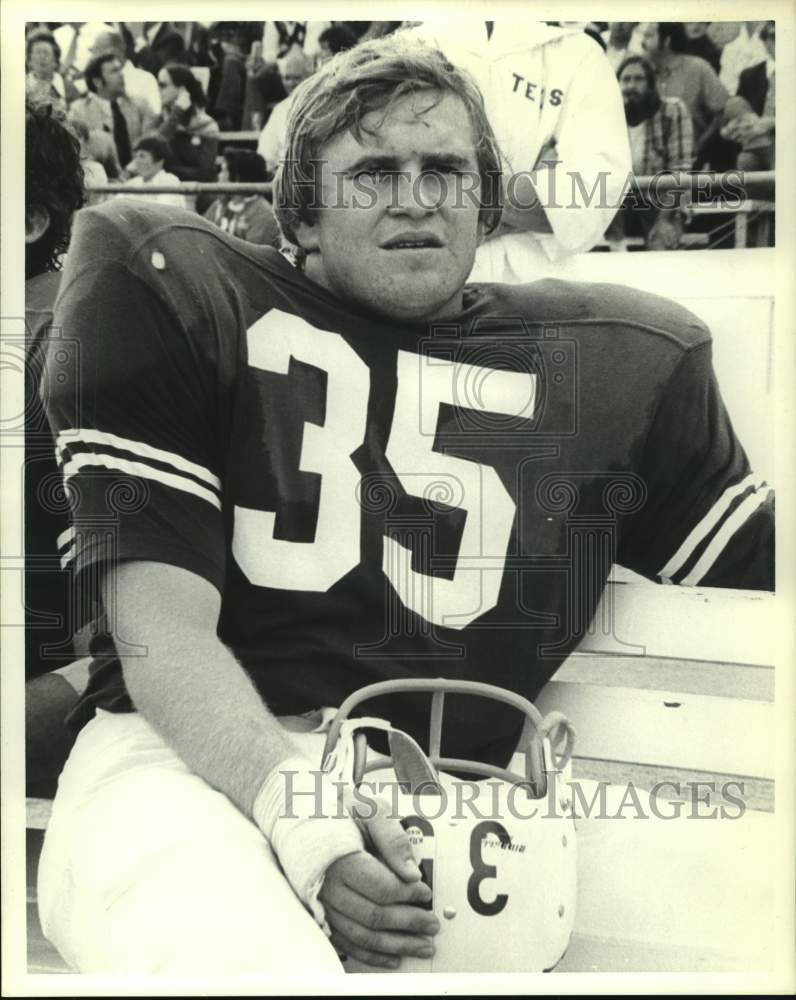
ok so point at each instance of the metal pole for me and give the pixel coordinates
(700, 185)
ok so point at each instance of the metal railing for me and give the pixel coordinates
(701, 186)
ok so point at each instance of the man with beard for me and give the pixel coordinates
(661, 139)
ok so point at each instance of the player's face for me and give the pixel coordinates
(398, 225)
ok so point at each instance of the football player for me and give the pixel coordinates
(295, 478)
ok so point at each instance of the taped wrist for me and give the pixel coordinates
(298, 811)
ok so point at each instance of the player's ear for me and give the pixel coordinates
(307, 236)
(37, 222)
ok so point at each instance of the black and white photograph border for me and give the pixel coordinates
(678, 795)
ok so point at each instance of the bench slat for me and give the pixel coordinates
(692, 731)
(688, 623)
(730, 680)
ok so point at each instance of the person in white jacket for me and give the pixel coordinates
(554, 103)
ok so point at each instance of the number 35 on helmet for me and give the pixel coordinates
(496, 846)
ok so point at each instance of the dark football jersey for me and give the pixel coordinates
(377, 499)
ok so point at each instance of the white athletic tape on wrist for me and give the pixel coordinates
(298, 811)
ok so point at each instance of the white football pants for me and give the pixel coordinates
(147, 869)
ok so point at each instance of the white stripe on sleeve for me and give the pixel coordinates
(143, 471)
(723, 535)
(88, 436)
(65, 538)
(707, 524)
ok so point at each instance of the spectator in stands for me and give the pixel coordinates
(699, 43)
(264, 88)
(107, 108)
(93, 170)
(618, 41)
(544, 89)
(43, 82)
(75, 39)
(156, 44)
(293, 68)
(230, 94)
(139, 84)
(191, 133)
(282, 37)
(751, 114)
(197, 42)
(689, 78)
(745, 50)
(337, 38)
(247, 216)
(661, 138)
(149, 165)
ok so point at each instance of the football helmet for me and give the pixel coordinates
(498, 852)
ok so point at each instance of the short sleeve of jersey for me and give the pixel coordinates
(132, 394)
(707, 518)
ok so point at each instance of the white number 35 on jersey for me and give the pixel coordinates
(326, 449)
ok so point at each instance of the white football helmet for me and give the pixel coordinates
(498, 852)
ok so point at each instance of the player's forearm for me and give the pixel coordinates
(188, 685)
(202, 702)
(192, 690)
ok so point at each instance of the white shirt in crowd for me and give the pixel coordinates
(743, 51)
(141, 84)
(311, 44)
(273, 138)
(161, 177)
(543, 83)
(88, 33)
(616, 57)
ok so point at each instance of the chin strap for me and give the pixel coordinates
(347, 760)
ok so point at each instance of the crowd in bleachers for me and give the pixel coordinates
(154, 103)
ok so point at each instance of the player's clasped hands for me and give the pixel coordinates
(374, 902)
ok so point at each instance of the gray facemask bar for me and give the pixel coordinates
(555, 727)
